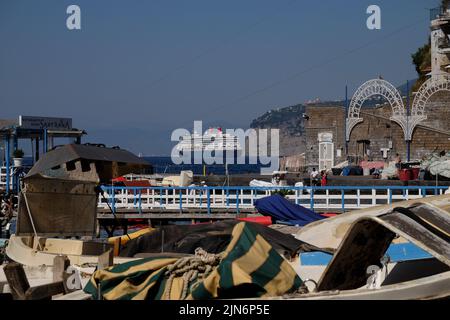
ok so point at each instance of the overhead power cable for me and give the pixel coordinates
(315, 66)
(215, 48)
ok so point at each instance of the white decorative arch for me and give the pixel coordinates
(372, 88)
(428, 89)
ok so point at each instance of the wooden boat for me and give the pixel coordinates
(37, 256)
(359, 268)
(329, 233)
(42, 276)
(32, 251)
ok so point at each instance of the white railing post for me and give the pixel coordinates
(358, 198)
(327, 198)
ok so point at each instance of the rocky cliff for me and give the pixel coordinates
(290, 122)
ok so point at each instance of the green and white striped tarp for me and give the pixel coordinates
(250, 267)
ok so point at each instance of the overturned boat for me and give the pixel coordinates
(360, 268)
(57, 212)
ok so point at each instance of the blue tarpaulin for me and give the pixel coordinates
(281, 209)
(352, 171)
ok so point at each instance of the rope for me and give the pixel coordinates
(116, 221)
(191, 268)
(31, 218)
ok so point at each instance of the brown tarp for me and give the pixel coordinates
(213, 237)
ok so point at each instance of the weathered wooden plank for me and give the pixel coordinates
(52, 209)
(76, 295)
(419, 235)
(60, 265)
(17, 280)
(106, 259)
(117, 244)
(20, 287)
(45, 291)
(434, 217)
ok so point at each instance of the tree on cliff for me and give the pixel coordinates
(422, 60)
(445, 3)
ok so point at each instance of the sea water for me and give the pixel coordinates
(163, 164)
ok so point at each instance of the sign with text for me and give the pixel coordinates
(40, 123)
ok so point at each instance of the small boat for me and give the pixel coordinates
(400, 254)
(329, 233)
(32, 251)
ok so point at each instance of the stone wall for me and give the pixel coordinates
(324, 119)
(293, 163)
(438, 117)
(432, 134)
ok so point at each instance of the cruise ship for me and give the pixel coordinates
(213, 139)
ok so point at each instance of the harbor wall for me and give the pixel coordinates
(431, 136)
(293, 163)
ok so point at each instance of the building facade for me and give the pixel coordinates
(377, 137)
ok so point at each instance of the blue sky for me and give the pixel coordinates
(139, 69)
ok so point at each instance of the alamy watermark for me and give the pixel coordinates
(73, 21)
(229, 146)
(374, 20)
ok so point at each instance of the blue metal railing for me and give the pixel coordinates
(337, 198)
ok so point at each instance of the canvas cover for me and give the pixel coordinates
(250, 267)
(281, 209)
(213, 237)
(352, 171)
(437, 165)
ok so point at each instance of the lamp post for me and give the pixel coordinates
(408, 113)
(7, 158)
(45, 142)
(345, 120)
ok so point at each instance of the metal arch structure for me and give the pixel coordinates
(372, 88)
(426, 91)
